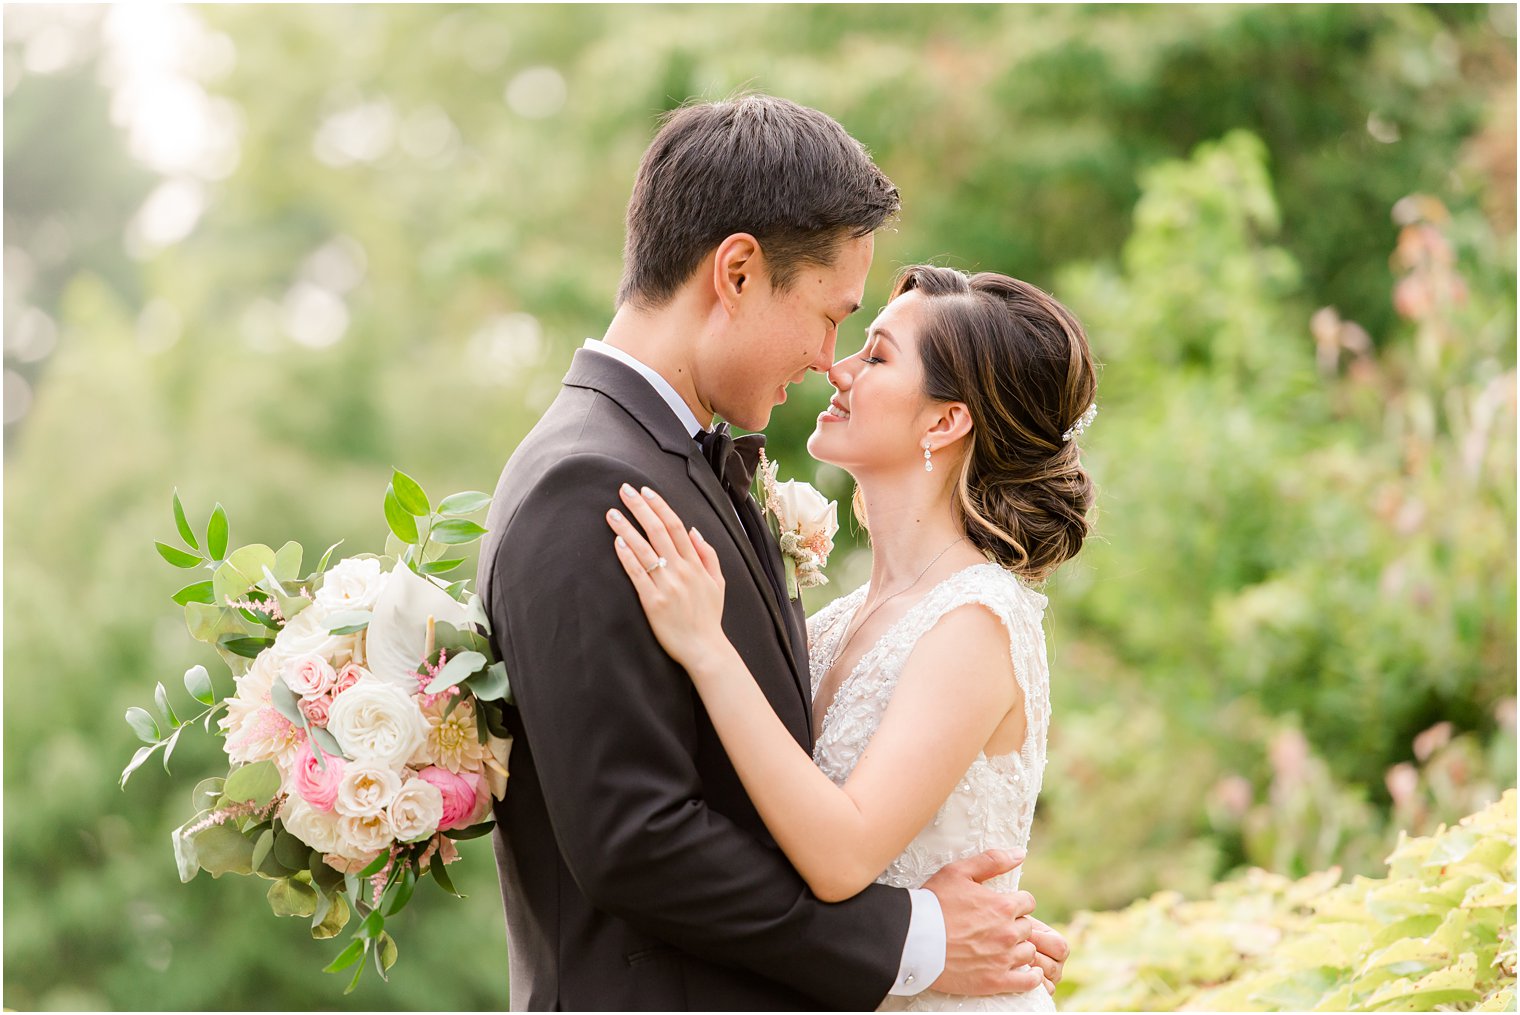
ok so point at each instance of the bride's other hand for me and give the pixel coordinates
(684, 598)
(1053, 951)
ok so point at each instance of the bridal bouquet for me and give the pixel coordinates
(365, 732)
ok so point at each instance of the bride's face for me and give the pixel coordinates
(877, 417)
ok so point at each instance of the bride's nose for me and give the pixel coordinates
(839, 374)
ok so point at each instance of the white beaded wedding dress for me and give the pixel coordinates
(993, 804)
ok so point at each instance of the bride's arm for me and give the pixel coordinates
(954, 691)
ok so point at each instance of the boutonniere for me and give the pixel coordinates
(804, 522)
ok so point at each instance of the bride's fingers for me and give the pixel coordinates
(708, 556)
(643, 584)
(676, 528)
(654, 526)
(643, 554)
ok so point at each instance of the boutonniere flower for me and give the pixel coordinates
(804, 522)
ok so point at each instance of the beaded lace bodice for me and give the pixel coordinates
(993, 804)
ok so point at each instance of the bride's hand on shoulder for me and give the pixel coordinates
(683, 597)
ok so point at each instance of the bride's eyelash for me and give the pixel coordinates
(872, 359)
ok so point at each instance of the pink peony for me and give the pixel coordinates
(316, 787)
(348, 676)
(461, 794)
(315, 709)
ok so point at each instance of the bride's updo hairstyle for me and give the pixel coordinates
(1020, 362)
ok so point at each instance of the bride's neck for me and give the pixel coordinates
(911, 521)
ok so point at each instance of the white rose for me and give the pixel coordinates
(252, 694)
(375, 721)
(353, 584)
(416, 810)
(365, 789)
(308, 675)
(805, 511)
(306, 634)
(364, 836)
(318, 829)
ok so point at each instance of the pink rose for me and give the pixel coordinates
(315, 709)
(347, 677)
(461, 793)
(317, 787)
(309, 675)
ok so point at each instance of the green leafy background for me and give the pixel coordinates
(1290, 232)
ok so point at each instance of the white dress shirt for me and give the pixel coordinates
(923, 957)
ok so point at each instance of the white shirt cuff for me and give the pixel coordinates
(924, 952)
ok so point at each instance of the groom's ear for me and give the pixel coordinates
(736, 262)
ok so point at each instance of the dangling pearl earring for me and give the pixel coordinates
(928, 465)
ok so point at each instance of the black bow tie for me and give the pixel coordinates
(733, 459)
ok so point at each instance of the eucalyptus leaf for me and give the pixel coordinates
(334, 920)
(322, 564)
(208, 622)
(176, 556)
(325, 877)
(143, 724)
(396, 516)
(222, 849)
(207, 794)
(289, 897)
(348, 621)
(216, 533)
(387, 952)
(161, 699)
(475, 614)
(198, 684)
(262, 847)
(456, 671)
(285, 701)
(491, 684)
(142, 754)
(241, 571)
(453, 531)
(256, 783)
(186, 858)
(183, 524)
(464, 503)
(327, 742)
(287, 561)
(195, 592)
(290, 850)
(248, 648)
(170, 744)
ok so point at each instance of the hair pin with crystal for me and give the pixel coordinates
(1081, 424)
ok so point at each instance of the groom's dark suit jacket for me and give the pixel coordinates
(635, 871)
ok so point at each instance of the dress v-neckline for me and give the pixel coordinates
(891, 628)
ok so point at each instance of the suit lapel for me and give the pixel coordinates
(702, 475)
(624, 386)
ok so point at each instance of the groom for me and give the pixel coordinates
(635, 872)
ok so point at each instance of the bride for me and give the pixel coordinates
(958, 420)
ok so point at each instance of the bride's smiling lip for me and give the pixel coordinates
(836, 412)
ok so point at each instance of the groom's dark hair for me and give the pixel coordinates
(788, 175)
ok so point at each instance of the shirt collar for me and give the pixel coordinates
(661, 385)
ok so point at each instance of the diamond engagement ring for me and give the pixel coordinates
(656, 566)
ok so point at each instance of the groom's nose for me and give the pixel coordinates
(823, 362)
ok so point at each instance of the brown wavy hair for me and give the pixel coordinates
(1020, 362)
